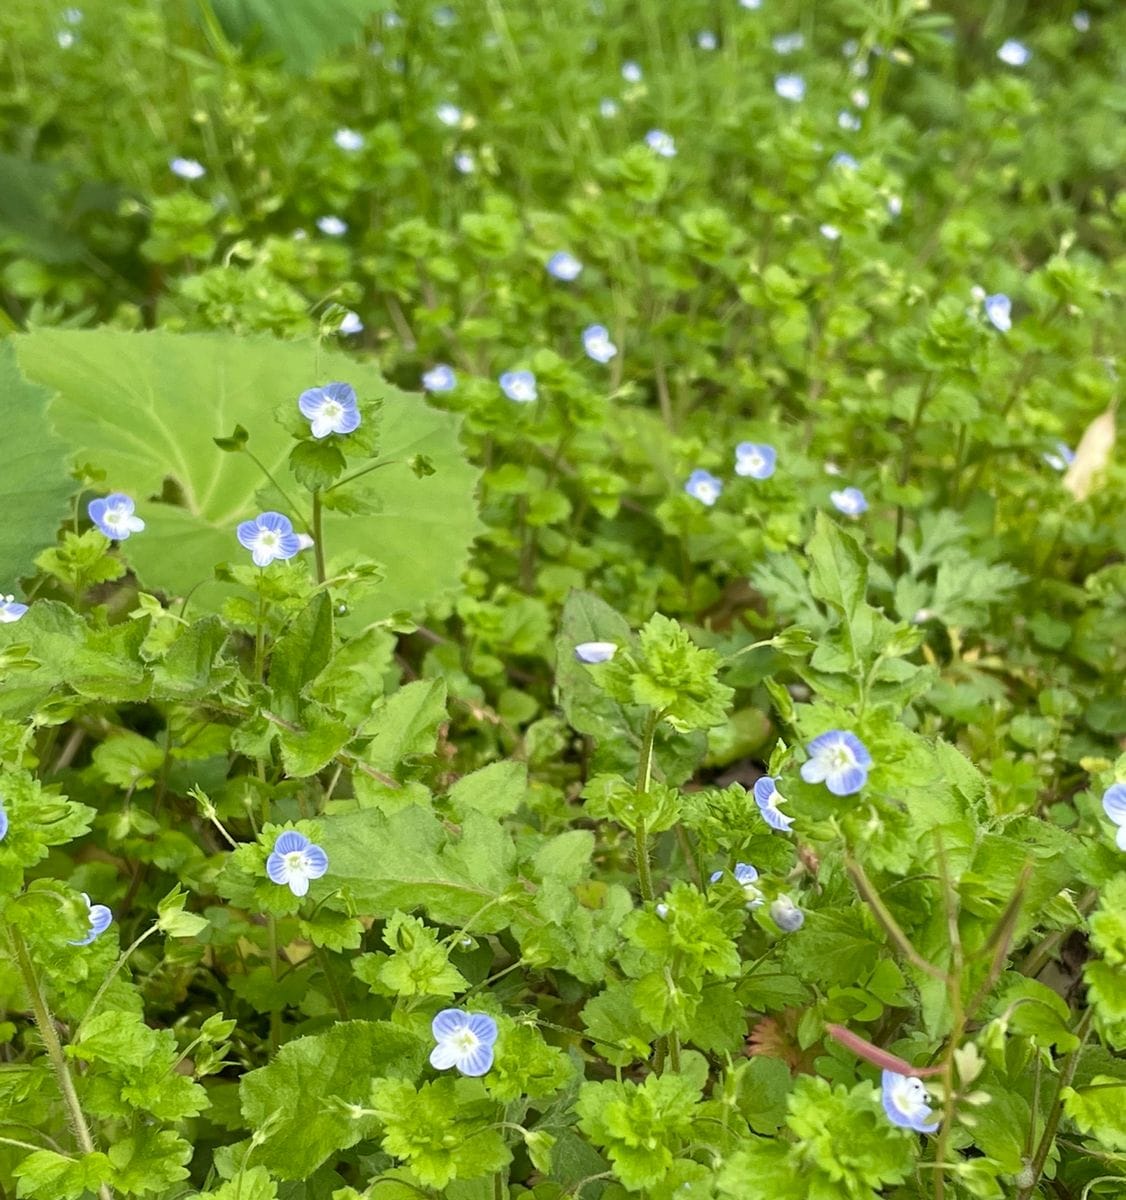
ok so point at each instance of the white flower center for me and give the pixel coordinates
(840, 758)
(295, 861)
(465, 1041)
(332, 410)
(909, 1096)
(268, 539)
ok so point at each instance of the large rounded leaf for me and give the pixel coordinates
(144, 407)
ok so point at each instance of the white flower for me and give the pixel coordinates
(332, 226)
(1082, 21)
(831, 232)
(1013, 53)
(787, 43)
(465, 162)
(187, 168)
(608, 108)
(351, 323)
(595, 652)
(348, 139)
(790, 87)
(706, 40)
(631, 72)
(448, 114)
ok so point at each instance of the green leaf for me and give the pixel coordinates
(301, 1097)
(406, 725)
(838, 568)
(496, 790)
(1099, 1109)
(45, 1175)
(300, 654)
(34, 485)
(145, 409)
(301, 31)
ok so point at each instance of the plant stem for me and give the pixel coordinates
(54, 1050)
(333, 985)
(122, 959)
(644, 778)
(265, 471)
(318, 536)
(275, 1016)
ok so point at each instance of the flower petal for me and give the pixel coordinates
(847, 781)
(477, 1061)
(290, 841)
(316, 862)
(1114, 803)
(277, 868)
(298, 883)
(275, 522)
(483, 1026)
(443, 1056)
(311, 402)
(447, 1023)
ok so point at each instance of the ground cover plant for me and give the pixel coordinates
(564, 600)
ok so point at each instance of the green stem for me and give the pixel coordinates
(259, 632)
(275, 1016)
(387, 462)
(54, 1049)
(284, 495)
(318, 536)
(333, 985)
(644, 778)
(122, 959)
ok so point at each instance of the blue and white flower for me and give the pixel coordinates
(1061, 458)
(608, 108)
(1114, 805)
(704, 486)
(746, 877)
(1013, 53)
(10, 610)
(787, 43)
(268, 537)
(662, 910)
(768, 798)
(839, 760)
(440, 378)
(65, 38)
(786, 914)
(330, 409)
(564, 265)
(755, 460)
(349, 139)
(844, 162)
(113, 515)
(73, 16)
(597, 343)
(3, 821)
(448, 114)
(895, 205)
(829, 232)
(850, 501)
(332, 226)
(187, 168)
(848, 121)
(100, 919)
(754, 5)
(790, 87)
(595, 652)
(1081, 21)
(631, 72)
(351, 323)
(295, 861)
(661, 143)
(464, 1040)
(999, 311)
(905, 1101)
(465, 162)
(706, 40)
(519, 386)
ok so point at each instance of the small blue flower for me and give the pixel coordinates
(790, 87)
(786, 915)
(768, 798)
(755, 459)
(631, 72)
(595, 652)
(464, 1040)
(113, 515)
(448, 114)
(294, 861)
(787, 43)
(440, 378)
(73, 16)
(661, 143)
(351, 323)
(3, 821)
(1061, 458)
(348, 139)
(10, 610)
(1081, 21)
(269, 536)
(838, 759)
(100, 920)
(564, 265)
(330, 409)
(187, 168)
(905, 1102)
(745, 877)
(848, 121)
(751, 4)
(519, 386)
(332, 226)
(704, 486)
(1114, 805)
(1013, 53)
(608, 108)
(850, 501)
(895, 205)
(597, 344)
(706, 40)
(829, 232)
(844, 162)
(662, 911)
(999, 311)
(465, 162)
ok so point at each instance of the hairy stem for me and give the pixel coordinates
(318, 536)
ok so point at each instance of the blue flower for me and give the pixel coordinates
(608, 108)
(187, 168)
(1081, 21)
(704, 486)
(597, 344)
(351, 323)
(332, 226)
(113, 515)
(751, 4)
(706, 40)
(786, 915)
(745, 877)
(564, 265)
(294, 861)
(330, 409)
(440, 378)
(519, 386)
(787, 43)
(768, 797)
(448, 114)
(755, 459)
(661, 143)
(595, 652)
(850, 501)
(10, 610)
(843, 162)
(1114, 805)
(100, 920)
(790, 87)
(465, 162)
(829, 232)
(1061, 458)
(3, 821)
(905, 1102)
(269, 536)
(464, 1040)
(848, 121)
(999, 311)
(1013, 53)
(838, 759)
(631, 72)
(348, 139)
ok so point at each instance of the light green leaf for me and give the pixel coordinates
(145, 408)
(838, 568)
(495, 790)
